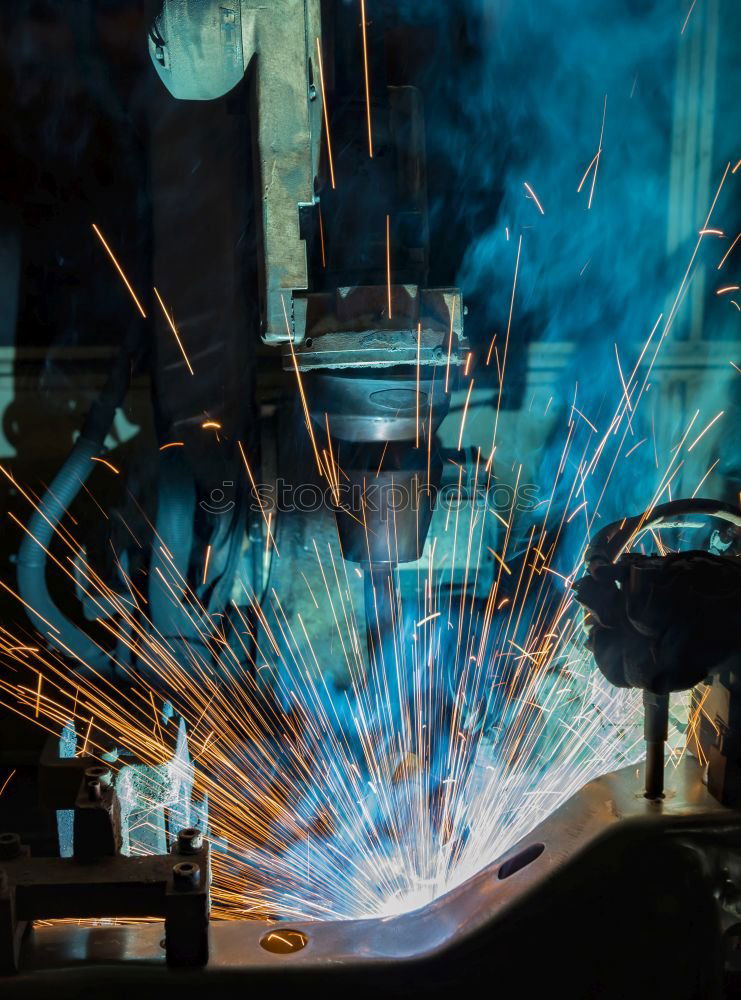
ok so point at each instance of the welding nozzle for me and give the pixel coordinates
(656, 733)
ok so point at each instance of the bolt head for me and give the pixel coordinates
(186, 875)
(100, 774)
(190, 841)
(94, 790)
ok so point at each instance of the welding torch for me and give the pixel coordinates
(661, 623)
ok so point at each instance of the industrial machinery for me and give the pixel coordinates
(319, 714)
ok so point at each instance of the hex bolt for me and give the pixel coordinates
(190, 841)
(10, 845)
(94, 789)
(186, 875)
(101, 774)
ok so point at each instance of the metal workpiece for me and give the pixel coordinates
(568, 886)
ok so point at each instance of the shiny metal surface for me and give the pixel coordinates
(605, 816)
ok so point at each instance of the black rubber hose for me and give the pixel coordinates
(608, 543)
(171, 549)
(31, 564)
(32, 587)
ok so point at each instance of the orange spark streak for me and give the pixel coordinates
(729, 251)
(573, 514)
(491, 348)
(302, 394)
(501, 561)
(326, 113)
(321, 238)
(727, 288)
(586, 421)
(506, 350)
(419, 349)
(586, 173)
(629, 453)
(118, 267)
(104, 462)
(7, 781)
(205, 565)
(465, 412)
(367, 79)
(270, 533)
(173, 444)
(27, 605)
(679, 295)
(257, 495)
(689, 12)
(174, 330)
(211, 425)
(703, 433)
(534, 196)
(702, 481)
(599, 154)
(87, 737)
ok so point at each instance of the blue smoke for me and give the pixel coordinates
(522, 93)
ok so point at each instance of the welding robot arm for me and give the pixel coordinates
(201, 50)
